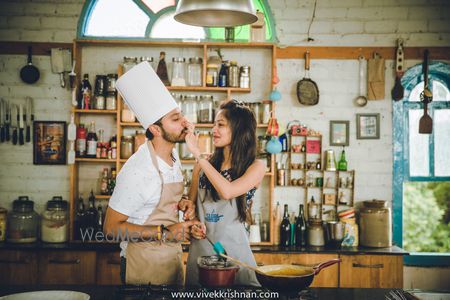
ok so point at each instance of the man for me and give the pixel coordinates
(143, 209)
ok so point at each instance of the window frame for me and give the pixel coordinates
(89, 6)
(437, 71)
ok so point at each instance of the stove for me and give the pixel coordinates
(163, 292)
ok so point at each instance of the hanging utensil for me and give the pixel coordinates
(2, 120)
(14, 123)
(73, 84)
(7, 120)
(29, 73)
(425, 122)
(21, 125)
(361, 100)
(307, 90)
(29, 109)
(398, 90)
(57, 61)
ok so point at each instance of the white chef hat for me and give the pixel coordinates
(145, 94)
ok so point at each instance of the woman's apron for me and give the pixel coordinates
(222, 225)
(158, 262)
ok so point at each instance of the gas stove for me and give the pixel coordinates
(162, 292)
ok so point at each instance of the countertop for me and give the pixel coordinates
(112, 292)
(110, 247)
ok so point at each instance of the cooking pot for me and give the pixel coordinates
(289, 279)
(215, 271)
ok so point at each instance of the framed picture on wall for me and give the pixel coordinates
(49, 143)
(339, 133)
(367, 126)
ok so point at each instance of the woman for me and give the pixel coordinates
(223, 186)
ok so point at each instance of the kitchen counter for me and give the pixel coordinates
(114, 292)
(109, 247)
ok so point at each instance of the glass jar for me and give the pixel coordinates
(233, 75)
(22, 222)
(184, 152)
(244, 77)
(206, 109)
(255, 107)
(111, 102)
(126, 147)
(265, 111)
(376, 224)
(314, 210)
(139, 139)
(2, 224)
(195, 69)
(128, 63)
(190, 108)
(205, 142)
(178, 99)
(127, 115)
(178, 71)
(212, 75)
(316, 234)
(148, 59)
(55, 221)
(111, 83)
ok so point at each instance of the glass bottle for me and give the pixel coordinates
(211, 75)
(285, 229)
(233, 75)
(80, 219)
(161, 71)
(104, 182)
(300, 228)
(100, 219)
(113, 145)
(84, 99)
(81, 141)
(91, 141)
(315, 210)
(112, 181)
(223, 74)
(178, 71)
(72, 128)
(244, 77)
(190, 108)
(195, 70)
(91, 214)
(99, 91)
(342, 164)
(100, 144)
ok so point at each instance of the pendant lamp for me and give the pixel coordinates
(216, 13)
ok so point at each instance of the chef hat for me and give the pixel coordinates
(145, 94)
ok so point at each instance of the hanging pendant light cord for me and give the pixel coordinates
(310, 39)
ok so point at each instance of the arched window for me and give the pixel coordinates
(421, 174)
(153, 20)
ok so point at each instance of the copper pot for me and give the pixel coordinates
(216, 272)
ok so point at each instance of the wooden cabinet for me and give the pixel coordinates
(67, 267)
(18, 267)
(374, 271)
(328, 277)
(108, 268)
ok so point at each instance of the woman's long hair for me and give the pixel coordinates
(243, 147)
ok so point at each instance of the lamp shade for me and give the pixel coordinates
(216, 13)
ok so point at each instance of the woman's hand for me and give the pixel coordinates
(192, 141)
(198, 231)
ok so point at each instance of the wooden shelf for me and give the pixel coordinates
(198, 125)
(130, 124)
(95, 160)
(102, 196)
(95, 111)
(208, 89)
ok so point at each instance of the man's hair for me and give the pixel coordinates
(149, 134)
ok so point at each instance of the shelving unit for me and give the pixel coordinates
(80, 45)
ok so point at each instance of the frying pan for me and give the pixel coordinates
(29, 73)
(307, 90)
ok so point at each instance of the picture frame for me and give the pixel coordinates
(339, 133)
(368, 126)
(49, 142)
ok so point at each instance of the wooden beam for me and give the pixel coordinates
(324, 52)
(38, 48)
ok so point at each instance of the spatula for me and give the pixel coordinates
(425, 122)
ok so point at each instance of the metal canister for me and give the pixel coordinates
(2, 224)
(316, 234)
(255, 107)
(330, 164)
(233, 78)
(244, 77)
(376, 224)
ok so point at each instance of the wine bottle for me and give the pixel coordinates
(92, 214)
(300, 228)
(79, 219)
(342, 165)
(285, 229)
(161, 71)
(91, 142)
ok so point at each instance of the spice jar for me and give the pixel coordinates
(139, 139)
(212, 75)
(190, 108)
(195, 71)
(22, 222)
(2, 224)
(128, 63)
(233, 75)
(316, 234)
(205, 142)
(55, 221)
(376, 224)
(111, 102)
(178, 71)
(244, 77)
(206, 109)
(126, 147)
(127, 114)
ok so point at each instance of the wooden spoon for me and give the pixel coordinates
(425, 122)
(243, 264)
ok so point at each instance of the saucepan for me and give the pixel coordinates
(214, 271)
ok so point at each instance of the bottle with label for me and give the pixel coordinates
(79, 219)
(84, 100)
(71, 129)
(342, 164)
(91, 141)
(91, 214)
(104, 182)
(81, 141)
(112, 181)
(285, 229)
(161, 71)
(113, 145)
(223, 74)
(100, 220)
(100, 144)
(300, 228)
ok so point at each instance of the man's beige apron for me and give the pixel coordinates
(155, 262)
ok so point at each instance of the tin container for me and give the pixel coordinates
(330, 162)
(376, 224)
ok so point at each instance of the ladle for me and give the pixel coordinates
(361, 100)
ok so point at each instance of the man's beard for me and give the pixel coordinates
(173, 138)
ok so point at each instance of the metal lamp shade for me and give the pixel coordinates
(216, 13)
